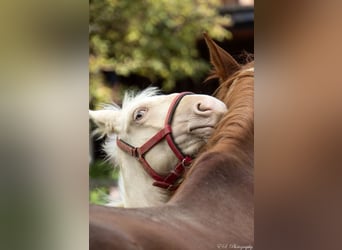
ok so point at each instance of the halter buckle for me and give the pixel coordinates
(135, 152)
(186, 162)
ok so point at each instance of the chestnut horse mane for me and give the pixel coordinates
(235, 131)
(234, 134)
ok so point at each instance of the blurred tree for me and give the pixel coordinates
(150, 38)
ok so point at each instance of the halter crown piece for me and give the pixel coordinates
(172, 180)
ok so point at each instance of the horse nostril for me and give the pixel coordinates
(202, 108)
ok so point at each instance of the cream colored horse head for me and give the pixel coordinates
(141, 117)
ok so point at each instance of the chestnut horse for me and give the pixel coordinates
(213, 208)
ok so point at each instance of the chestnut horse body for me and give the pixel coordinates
(214, 207)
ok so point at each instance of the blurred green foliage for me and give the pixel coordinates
(105, 175)
(99, 196)
(101, 169)
(150, 38)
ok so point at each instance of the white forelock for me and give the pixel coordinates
(132, 98)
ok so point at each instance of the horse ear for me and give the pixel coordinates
(225, 65)
(106, 120)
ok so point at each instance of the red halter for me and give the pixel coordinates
(172, 180)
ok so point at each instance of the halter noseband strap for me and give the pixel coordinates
(172, 180)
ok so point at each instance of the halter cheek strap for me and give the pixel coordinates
(172, 180)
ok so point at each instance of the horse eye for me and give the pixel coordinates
(139, 114)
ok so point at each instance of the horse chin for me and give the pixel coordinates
(194, 145)
(202, 132)
(202, 129)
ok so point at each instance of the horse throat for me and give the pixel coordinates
(138, 189)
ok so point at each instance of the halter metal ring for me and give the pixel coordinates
(186, 162)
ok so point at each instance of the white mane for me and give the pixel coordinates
(132, 98)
